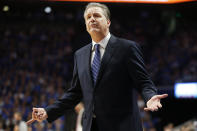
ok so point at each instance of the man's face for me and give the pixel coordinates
(95, 20)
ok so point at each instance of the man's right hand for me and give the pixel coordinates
(38, 114)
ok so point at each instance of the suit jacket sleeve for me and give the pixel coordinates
(138, 72)
(68, 100)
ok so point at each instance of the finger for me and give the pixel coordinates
(35, 113)
(162, 96)
(147, 109)
(159, 105)
(45, 115)
(35, 109)
(30, 121)
(155, 109)
(40, 112)
(151, 109)
(40, 117)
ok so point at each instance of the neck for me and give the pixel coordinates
(97, 37)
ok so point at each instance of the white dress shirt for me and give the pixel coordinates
(103, 44)
(23, 126)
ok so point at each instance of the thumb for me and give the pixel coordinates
(35, 109)
(146, 109)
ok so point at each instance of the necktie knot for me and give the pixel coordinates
(96, 47)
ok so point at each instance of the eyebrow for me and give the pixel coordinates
(93, 14)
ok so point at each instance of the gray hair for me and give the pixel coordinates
(102, 6)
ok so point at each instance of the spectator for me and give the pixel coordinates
(20, 125)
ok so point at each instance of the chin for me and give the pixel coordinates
(94, 30)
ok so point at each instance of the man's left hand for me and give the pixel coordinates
(154, 103)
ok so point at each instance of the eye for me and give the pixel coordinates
(88, 17)
(97, 15)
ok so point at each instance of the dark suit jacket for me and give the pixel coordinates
(113, 98)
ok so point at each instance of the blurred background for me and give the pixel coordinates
(38, 40)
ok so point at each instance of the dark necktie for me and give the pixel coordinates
(96, 63)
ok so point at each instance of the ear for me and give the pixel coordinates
(108, 23)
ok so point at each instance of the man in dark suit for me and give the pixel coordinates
(106, 74)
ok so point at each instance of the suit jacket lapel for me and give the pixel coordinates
(107, 56)
(87, 62)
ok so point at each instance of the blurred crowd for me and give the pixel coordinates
(36, 57)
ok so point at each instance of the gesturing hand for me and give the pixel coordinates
(154, 103)
(38, 114)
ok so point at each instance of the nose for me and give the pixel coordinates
(92, 19)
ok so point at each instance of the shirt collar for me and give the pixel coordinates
(103, 42)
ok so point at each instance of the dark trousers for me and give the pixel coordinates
(94, 126)
(70, 120)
